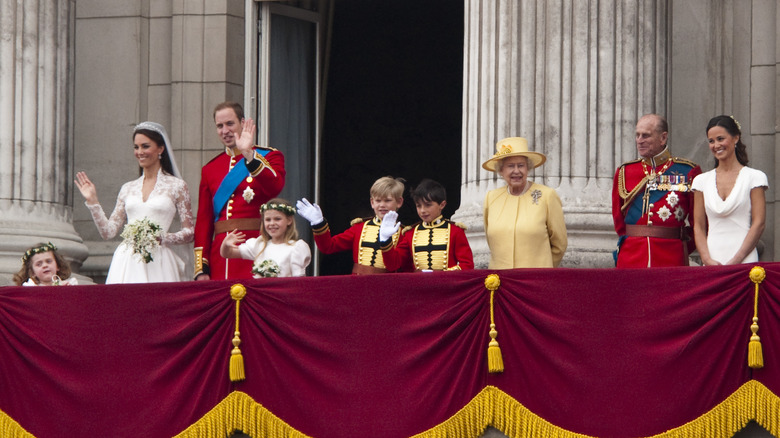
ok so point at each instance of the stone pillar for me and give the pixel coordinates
(572, 77)
(35, 142)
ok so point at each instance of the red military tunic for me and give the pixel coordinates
(652, 209)
(438, 246)
(265, 181)
(362, 237)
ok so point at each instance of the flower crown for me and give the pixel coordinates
(289, 210)
(46, 247)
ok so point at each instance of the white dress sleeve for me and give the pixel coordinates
(249, 250)
(758, 179)
(110, 227)
(181, 197)
(300, 258)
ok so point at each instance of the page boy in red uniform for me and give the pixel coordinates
(435, 244)
(363, 236)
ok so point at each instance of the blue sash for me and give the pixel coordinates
(230, 182)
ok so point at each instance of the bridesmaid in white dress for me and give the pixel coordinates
(158, 195)
(278, 242)
(729, 201)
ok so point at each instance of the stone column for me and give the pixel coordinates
(572, 77)
(35, 145)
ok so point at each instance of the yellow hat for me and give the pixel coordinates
(514, 147)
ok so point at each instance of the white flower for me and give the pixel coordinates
(143, 236)
(249, 194)
(266, 268)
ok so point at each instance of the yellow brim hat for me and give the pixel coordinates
(514, 147)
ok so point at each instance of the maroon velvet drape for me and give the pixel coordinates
(604, 352)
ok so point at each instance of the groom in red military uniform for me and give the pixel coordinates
(233, 186)
(652, 202)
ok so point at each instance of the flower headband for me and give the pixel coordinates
(46, 247)
(289, 210)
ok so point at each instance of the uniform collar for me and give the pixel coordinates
(659, 159)
(232, 152)
(436, 222)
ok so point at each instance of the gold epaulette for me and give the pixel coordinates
(684, 161)
(631, 162)
(268, 148)
(409, 228)
(359, 220)
(460, 225)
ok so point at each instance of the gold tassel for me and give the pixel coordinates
(755, 353)
(237, 374)
(495, 361)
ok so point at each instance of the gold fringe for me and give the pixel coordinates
(755, 352)
(493, 407)
(236, 370)
(11, 429)
(733, 414)
(767, 413)
(238, 411)
(495, 360)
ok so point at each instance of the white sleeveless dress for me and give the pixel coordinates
(170, 194)
(729, 219)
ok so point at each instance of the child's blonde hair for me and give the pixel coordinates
(63, 267)
(283, 206)
(388, 186)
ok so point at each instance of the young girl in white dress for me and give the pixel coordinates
(277, 252)
(729, 204)
(43, 266)
(157, 195)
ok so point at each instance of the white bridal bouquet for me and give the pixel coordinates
(143, 236)
(266, 268)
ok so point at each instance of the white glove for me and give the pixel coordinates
(310, 212)
(390, 226)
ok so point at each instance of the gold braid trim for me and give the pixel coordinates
(625, 195)
(238, 411)
(11, 429)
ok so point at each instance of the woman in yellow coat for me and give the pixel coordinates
(524, 220)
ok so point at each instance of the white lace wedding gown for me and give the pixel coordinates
(170, 194)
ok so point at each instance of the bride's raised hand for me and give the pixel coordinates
(87, 189)
(246, 141)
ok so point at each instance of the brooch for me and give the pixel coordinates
(536, 195)
(249, 194)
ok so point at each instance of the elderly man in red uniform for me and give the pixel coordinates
(652, 202)
(233, 186)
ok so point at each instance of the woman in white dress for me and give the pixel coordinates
(729, 201)
(157, 195)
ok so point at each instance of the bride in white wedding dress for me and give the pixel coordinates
(157, 195)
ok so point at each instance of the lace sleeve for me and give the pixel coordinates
(181, 195)
(110, 227)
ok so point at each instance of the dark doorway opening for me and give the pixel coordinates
(394, 107)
